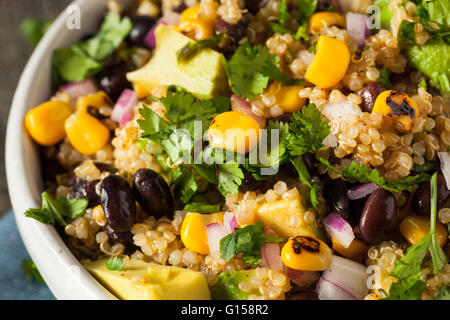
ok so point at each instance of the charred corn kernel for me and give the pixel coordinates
(196, 26)
(45, 123)
(98, 215)
(288, 99)
(325, 19)
(355, 251)
(96, 100)
(330, 62)
(193, 230)
(415, 227)
(307, 254)
(234, 131)
(86, 133)
(397, 105)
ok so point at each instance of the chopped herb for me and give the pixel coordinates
(283, 12)
(54, 210)
(426, 167)
(306, 9)
(33, 29)
(423, 84)
(184, 183)
(305, 178)
(383, 79)
(192, 48)
(247, 241)
(312, 48)
(201, 207)
(307, 131)
(31, 271)
(230, 178)
(115, 264)
(364, 174)
(406, 34)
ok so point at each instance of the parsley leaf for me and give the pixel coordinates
(115, 264)
(250, 69)
(363, 173)
(54, 210)
(305, 178)
(307, 131)
(247, 241)
(201, 207)
(192, 48)
(34, 29)
(86, 58)
(31, 271)
(230, 178)
(184, 183)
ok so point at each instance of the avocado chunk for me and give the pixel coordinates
(433, 60)
(227, 287)
(158, 282)
(203, 75)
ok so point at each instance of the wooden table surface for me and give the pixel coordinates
(13, 57)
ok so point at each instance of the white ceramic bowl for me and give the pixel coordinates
(62, 272)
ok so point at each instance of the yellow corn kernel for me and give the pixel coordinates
(287, 98)
(306, 254)
(193, 230)
(234, 131)
(45, 123)
(325, 19)
(397, 105)
(196, 26)
(96, 100)
(98, 215)
(355, 251)
(142, 91)
(415, 227)
(330, 63)
(86, 133)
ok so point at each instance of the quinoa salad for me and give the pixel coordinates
(247, 150)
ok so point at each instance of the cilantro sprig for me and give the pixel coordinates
(364, 174)
(115, 264)
(247, 241)
(56, 210)
(407, 270)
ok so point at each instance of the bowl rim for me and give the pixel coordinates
(62, 272)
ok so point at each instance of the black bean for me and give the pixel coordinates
(285, 118)
(335, 193)
(51, 168)
(85, 189)
(379, 216)
(235, 31)
(421, 199)
(141, 27)
(118, 203)
(302, 295)
(153, 193)
(369, 94)
(253, 6)
(310, 161)
(125, 238)
(105, 167)
(114, 79)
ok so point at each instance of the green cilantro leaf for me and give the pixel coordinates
(307, 131)
(86, 58)
(184, 183)
(283, 12)
(364, 174)
(56, 209)
(247, 241)
(384, 78)
(305, 178)
(201, 207)
(230, 178)
(31, 271)
(443, 293)
(115, 264)
(192, 48)
(306, 9)
(33, 29)
(406, 33)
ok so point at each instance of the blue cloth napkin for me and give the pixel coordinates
(14, 285)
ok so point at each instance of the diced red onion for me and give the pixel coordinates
(124, 108)
(357, 27)
(445, 166)
(340, 111)
(241, 105)
(170, 19)
(339, 229)
(80, 88)
(344, 279)
(361, 191)
(271, 253)
(230, 221)
(303, 279)
(215, 232)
